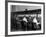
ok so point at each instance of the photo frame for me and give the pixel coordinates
(25, 10)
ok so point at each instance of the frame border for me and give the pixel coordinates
(6, 17)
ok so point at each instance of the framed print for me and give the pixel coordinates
(25, 18)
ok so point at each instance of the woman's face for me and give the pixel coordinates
(38, 19)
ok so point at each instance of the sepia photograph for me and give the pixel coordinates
(25, 18)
